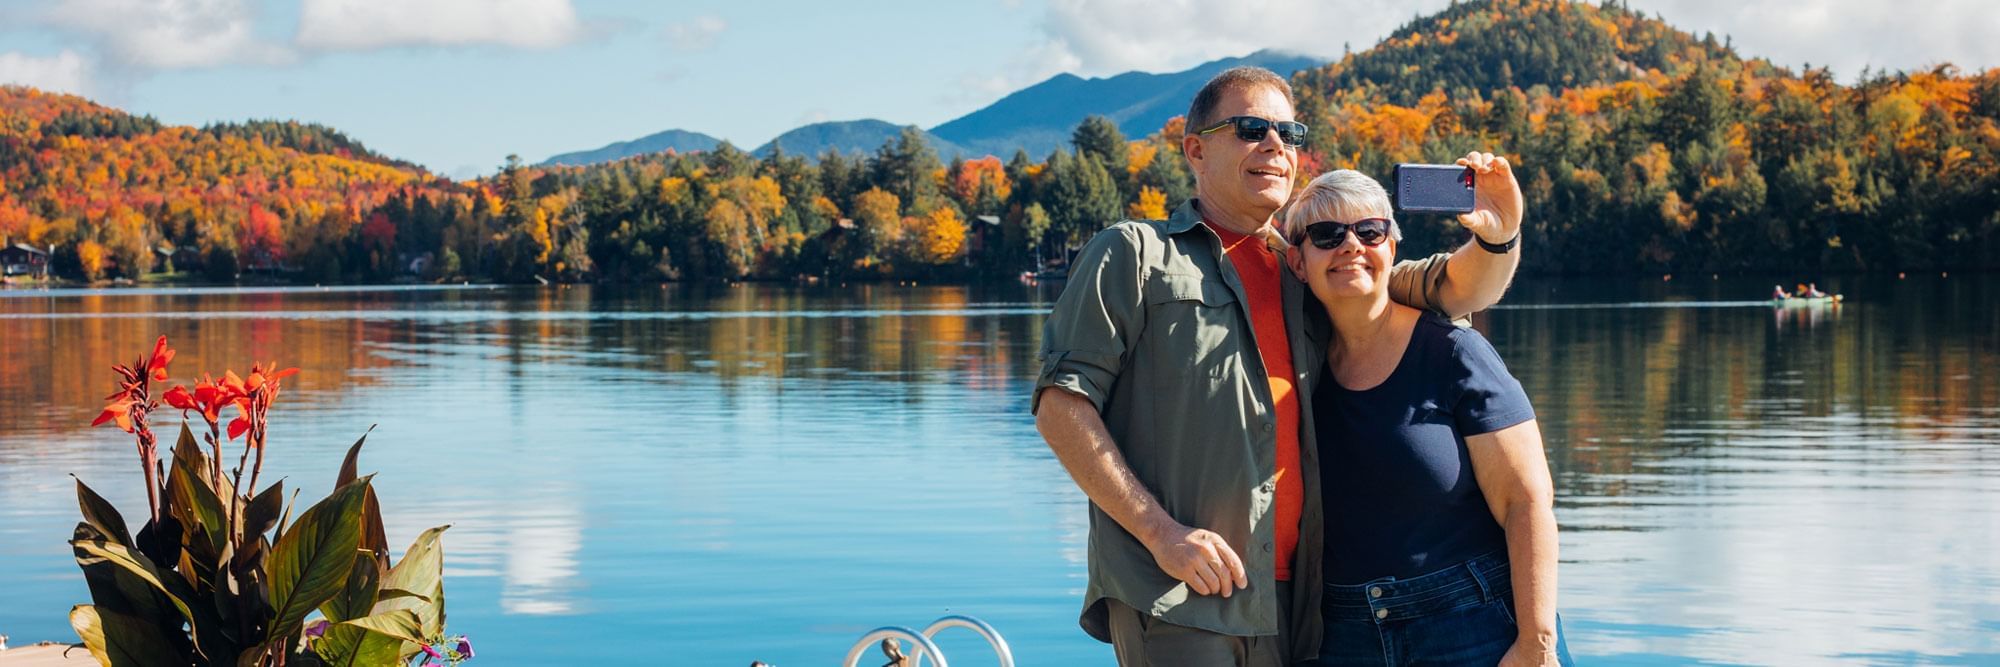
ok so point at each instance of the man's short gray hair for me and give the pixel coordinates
(1201, 112)
(1345, 195)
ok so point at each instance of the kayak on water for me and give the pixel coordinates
(1806, 300)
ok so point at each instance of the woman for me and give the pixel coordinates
(1440, 529)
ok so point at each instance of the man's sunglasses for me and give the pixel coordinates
(1253, 129)
(1327, 235)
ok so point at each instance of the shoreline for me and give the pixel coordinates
(122, 285)
(45, 654)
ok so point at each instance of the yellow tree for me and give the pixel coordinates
(939, 236)
(876, 214)
(1152, 205)
(729, 229)
(760, 201)
(90, 255)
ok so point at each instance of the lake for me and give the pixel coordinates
(711, 475)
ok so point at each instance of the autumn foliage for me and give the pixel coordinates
(1644, 147)
(1641, 147)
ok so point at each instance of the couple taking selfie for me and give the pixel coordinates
(1292, 454)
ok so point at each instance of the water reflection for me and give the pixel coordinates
(1817, 487)
(727, 473)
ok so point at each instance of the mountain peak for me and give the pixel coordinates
(682, 141)
(1039, 118)
(850, 137)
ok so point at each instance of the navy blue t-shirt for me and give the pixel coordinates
(1395, 475)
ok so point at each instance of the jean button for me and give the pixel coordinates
(1374, 591)
(1381, 613)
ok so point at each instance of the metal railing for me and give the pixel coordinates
(921, 644)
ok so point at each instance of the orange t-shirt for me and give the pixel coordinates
(1257, 267)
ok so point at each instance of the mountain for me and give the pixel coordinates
(1490, 45)
(853, 137)
(108, 189)
(681, 141)
(1039, 118)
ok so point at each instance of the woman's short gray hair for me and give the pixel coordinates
(1346, 195)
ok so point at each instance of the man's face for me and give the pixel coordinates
(1245, 178)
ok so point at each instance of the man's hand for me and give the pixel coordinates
(1496, 198)
(1200, 558)
(1527, 653)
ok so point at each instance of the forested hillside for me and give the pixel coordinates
(1642, 148)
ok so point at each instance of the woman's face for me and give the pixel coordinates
(1349, 269)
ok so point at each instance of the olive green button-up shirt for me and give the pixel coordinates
(1153, 329)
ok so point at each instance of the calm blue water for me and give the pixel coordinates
(711, 476)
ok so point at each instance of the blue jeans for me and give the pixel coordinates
(1460, 615)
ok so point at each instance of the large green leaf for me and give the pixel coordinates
(195, 503)
(261, 515)
(353, 646)
(357, 599)
(400, 624)
(311, 561)
(83, 618)
(371, 640)
(374, 535)
(416, 583)
(350, 466)
(136, 604)
(100, 514)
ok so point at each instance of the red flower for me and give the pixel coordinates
(121, 411)
(133, 402)
(179, 398)
(253, 397)
(207, 398)
(133, 392)
(162, 354)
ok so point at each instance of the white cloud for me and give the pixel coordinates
(696, 35)
(1103, 37)
(1846, 34)
(359, 25)
(1111, 36)
(65, 72)
(168, 34)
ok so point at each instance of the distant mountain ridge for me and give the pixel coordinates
(682, 141)
(849, 137)
(1039, 118)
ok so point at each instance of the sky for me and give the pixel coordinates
(457, 85)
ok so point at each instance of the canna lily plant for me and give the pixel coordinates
(221, 573)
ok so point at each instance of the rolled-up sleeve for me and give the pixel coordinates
(1419, 283)
(1095, 321)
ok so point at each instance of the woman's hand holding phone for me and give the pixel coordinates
(1497, 200)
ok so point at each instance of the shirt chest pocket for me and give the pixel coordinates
(1191, 325)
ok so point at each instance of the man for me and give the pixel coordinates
(1176, 407)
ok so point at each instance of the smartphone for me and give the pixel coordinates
(1433, 188)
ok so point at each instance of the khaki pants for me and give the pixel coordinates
(1140, 640)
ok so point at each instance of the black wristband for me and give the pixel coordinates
(1499, 248)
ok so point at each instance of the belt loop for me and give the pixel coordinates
(1485, 591)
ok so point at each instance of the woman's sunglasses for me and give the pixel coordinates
(1253, 129)
(1327, 235)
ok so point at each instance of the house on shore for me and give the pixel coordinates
(21, 259)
